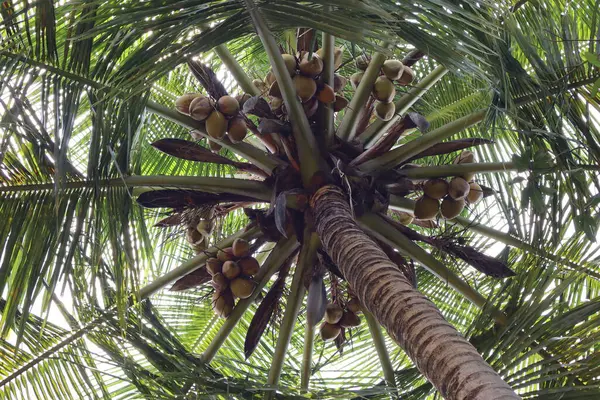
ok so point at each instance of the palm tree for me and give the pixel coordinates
(86, 88)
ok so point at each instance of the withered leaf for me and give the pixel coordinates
(208, 79)
(416, 120)
(451, 146)
(193, 279)
(268, 125)
(316, 301)
(177, 198)
(483, 263)
(281, 213)
(189, 150)
(171, 220)
(265, 310)
(258, 106)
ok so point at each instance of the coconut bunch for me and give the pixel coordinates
(222, 117)
(448, 197)
(337, 318)
(306, 70)
(384, 90)
(232, 270)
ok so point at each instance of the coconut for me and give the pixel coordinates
(405, 218)
(242, 98)
(426, 208)
(220, 282)
(201, 107)
(392, 69)
(182, 104)
(384, 90)
(274, 90)
(338, 83)
(329, 331)
(290, 63)
(436, 188)
(310, 107)
(228, 105)
(458, 188)
(214, 146)
(270, 78)
(214, 266)
(260, 85)
(231, 270)
(349, 320)
(216, 125)
(237, 129)
(451, 208)
(326, 95)
(465, 157)
(385, 111)
(340, 103)
(362, 62)
(225, 255)
(311, 67)
(276, 103)
(305, 87)
(407, 76)
(240, 247)
(338, 53)
(249, 265)
(356, 78)
(222, 303)
(242, 287)
(354, 305)
(475, 193)
(333, 313)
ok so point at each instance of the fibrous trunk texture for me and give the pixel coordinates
(442, 354)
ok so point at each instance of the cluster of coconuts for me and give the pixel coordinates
(221, 117)
(232, 271)
(454, 194)
(337, 318)
(306, 71)
(384, 90)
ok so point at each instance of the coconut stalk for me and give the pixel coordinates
(381, 348)
(305, 140)
(347, 127)
(408, 205)
(309, 344)
(370, 136)
(244, 187)
(385, 232)
(262, 160)
(282, 250)
(328, 114)
(440, 171)
(306, 260)
(399, 155)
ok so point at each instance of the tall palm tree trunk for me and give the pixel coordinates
(442, 354)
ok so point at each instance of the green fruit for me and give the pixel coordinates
(338, 83)
(340, 103)
(242, 98)
(231, 270)
(338, 54)
(405, 218)
(362, 62)
(392, 69)
(329, 331)
(385, 111)
(214, 146)
(311, 67)
(436, 188)
(349, 320)
(333, 313)
(384, 89)
(182, 104)
(451, 208)
(356, 78)
(426, 208)
(290, 63)
(240, 247)
(225, 255)
(242, 287)
(407, 76)
(222, 303)
(214, 266)
(249, 266)
(465, 157)
(216, 125)
(219, 281)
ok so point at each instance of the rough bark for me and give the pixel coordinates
(438, 350)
